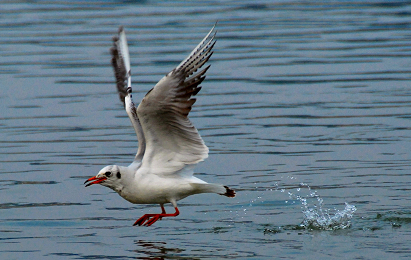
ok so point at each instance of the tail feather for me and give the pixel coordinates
(213, 188)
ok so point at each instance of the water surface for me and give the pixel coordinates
(305, 109)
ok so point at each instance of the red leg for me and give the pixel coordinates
(152, 218)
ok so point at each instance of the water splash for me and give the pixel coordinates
(317, 217)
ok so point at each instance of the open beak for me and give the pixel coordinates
(94, 180)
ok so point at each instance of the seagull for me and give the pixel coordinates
(169, 146)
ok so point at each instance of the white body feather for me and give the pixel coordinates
(169, 145)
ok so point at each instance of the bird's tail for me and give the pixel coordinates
(214, 188)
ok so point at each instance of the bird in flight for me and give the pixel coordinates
(169, 146)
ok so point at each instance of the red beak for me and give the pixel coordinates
(94, 180)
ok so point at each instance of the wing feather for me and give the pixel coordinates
(172, 141)
(121, 65)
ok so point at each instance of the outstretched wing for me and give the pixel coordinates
(172, 141)
(121, 65)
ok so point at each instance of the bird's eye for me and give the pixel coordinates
(118, 175)
(108, 174)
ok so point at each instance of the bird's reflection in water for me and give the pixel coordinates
(158, 250)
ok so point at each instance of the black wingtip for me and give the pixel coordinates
(229, 192)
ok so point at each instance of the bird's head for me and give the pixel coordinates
(109, 176)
